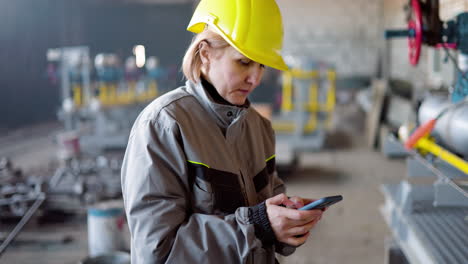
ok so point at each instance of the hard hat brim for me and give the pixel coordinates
(276, 62)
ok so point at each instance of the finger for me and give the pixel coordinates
(289, 204)
(277, 200)
(280, 199)
(297, 241)
(308, 200)
(301, 230)
(294, 214)
(296, 223)
(281, 224)
(316, 219)
(297, 202)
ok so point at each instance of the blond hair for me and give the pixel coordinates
(192, 64)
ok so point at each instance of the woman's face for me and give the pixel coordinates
(232, 74)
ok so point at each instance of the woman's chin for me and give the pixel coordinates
(237, 101)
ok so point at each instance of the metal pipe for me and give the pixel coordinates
(24, 220)
(451, 129)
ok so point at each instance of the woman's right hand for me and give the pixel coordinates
(290, 226)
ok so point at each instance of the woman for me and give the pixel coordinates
(199, 179)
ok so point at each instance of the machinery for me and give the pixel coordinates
(102, 104)
(98, 111)
(156, 75)
(307, 105)
(71, 67)
(77, 184)
(429, 221)
(122, 96)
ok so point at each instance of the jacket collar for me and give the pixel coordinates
(224, 114)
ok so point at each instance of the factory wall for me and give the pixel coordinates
(350, 36)
(344, 33)
(29, 27)
(160, 28)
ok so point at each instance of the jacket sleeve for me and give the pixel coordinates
(278, 184)
(157, 204)
(279, 187)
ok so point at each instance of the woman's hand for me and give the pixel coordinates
(290, 225)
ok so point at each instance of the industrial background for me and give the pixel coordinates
(385, 122)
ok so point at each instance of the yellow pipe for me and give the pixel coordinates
(122, 97)
(311, 124)
(331, 97)
(286, 102)
(103, 94)
(313, 97)
(312, 107)
(113, 94)
(301, 74)
(288, 126)
(426, 144)
(283, 126)
(119, 97)
(77, 97)
(152, 90)
(131, 95)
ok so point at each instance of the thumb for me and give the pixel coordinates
(280, 199)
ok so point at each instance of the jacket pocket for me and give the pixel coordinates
(221, 190)
(202, 196)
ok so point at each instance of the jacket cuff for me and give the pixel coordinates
(258, 216)
(284, 249)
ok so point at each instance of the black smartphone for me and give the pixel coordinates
(322, 202)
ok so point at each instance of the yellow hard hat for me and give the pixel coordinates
(253, 27)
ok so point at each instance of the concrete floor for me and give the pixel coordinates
(352, 231)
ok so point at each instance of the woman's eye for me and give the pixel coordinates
(262, 66)
(245, 62)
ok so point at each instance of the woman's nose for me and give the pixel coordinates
(255, 75)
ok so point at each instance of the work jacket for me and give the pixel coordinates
(194, 177)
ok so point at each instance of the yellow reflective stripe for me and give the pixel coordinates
(272, 157)
(199, 163)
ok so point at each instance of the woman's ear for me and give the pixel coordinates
(204, 51)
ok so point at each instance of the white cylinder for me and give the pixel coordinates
(107, 228)
(451, 129)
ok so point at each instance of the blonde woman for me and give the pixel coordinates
(199, 179)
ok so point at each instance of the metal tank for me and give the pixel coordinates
(451, 129)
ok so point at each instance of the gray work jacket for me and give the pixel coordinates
(191, 171)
